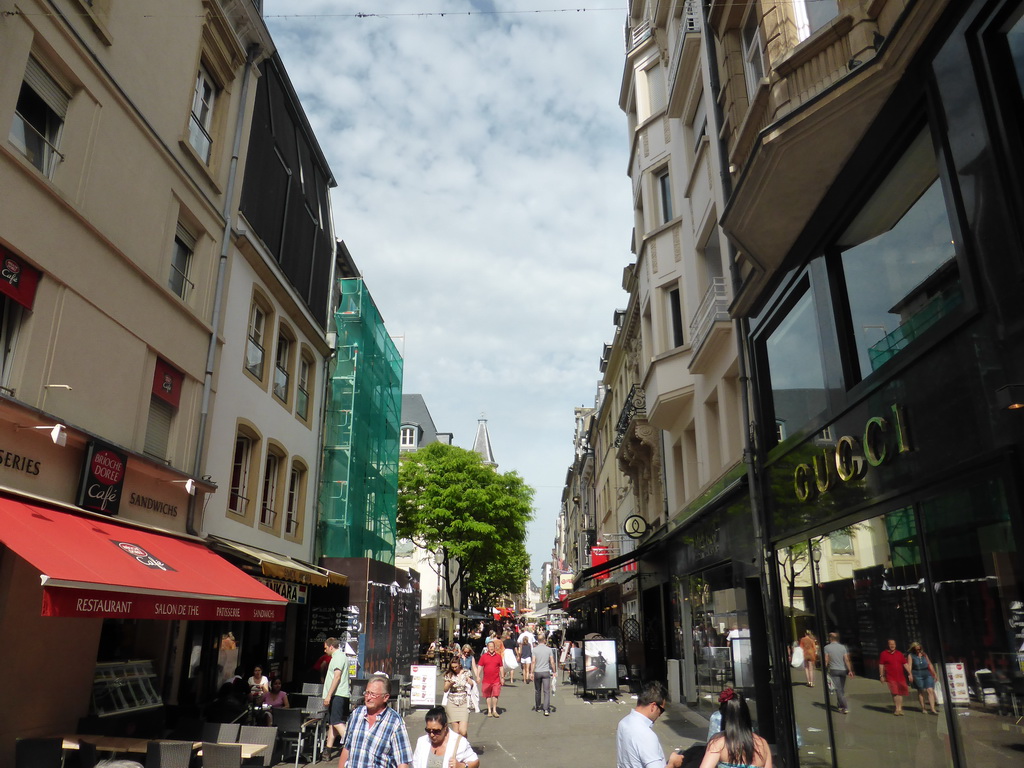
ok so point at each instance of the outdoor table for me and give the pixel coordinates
(248, 750)
(108, 743)
(141, 746)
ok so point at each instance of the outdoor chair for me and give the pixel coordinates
(312, 689)
(293, 727)
(168, 754)
(260, 734)
(224, 733)
(221, 755)
(87, 756)
(39, 753)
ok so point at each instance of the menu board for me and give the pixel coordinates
(326, 621)
(424, 685)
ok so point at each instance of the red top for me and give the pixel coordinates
(892, 662)
(490, 663)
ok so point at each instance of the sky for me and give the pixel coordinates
(481, 161)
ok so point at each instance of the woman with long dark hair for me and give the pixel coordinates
(737, 746)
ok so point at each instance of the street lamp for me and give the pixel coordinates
(438, 561)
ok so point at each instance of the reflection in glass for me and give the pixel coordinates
(797, 564)
(721, 637)
(899, 260)
(976, 572)
(871, 585)
(795, 368)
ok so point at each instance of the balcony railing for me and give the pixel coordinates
(635, 404)
(281, 377)
(714, 308)
(254, 358)
(636, 35)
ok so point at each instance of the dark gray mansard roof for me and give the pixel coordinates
(415, 414)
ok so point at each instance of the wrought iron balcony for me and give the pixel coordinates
(636, 403)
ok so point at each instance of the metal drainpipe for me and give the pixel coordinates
(742, 327)
(218, 296)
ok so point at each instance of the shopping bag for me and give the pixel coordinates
(798, 657)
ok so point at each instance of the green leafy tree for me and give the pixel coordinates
(472, 517)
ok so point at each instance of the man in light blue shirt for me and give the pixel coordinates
(637, 746)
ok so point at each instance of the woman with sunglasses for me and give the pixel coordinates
(441, 747)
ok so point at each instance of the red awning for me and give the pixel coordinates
(93, 567)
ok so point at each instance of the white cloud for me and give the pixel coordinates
(482, 190)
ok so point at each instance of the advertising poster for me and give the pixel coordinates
(600, 665)
(424, 685)
(956, 676)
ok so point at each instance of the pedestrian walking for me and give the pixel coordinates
(376, 736)
(809, 645)
(489, 676)
(837, 660)
(892, 670)
(636, 744)
(920, 668)
(543, 669)
(457, 682)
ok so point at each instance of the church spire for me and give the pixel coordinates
(482, 443)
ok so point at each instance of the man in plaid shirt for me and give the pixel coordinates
(376, 736)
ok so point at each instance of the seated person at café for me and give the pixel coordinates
(229, 705)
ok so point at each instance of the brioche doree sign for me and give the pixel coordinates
(102, 478)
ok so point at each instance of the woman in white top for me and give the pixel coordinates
(441, 747)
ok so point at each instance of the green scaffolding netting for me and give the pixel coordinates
(359, 493)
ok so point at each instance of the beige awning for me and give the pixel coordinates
(277, 566)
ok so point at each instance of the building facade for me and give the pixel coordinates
(863, 165)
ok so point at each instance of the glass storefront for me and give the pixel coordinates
(943, 572)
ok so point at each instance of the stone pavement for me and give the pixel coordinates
(580, 731)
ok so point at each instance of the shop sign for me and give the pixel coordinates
(294, 593)
(102, 478)
(565, 582)
(18, 279)
(18, 462)
(167, 383)
(156, 505)
(852, 458)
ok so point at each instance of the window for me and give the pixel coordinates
(812, 15)
(675, 309)
(10, 324)
(665, 194)
(238, 498)
(281, 368)
(408, 439)
(254, 352)
(295, 501)
(201, 120)
(753, 54)
(795, 368)
(39, 118)
(699, 124)
(841, 542)
(305, 382)
(899, 260)
(268, 509)
(181, 263)
(158, 428)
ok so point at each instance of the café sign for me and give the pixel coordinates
(853, 456)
